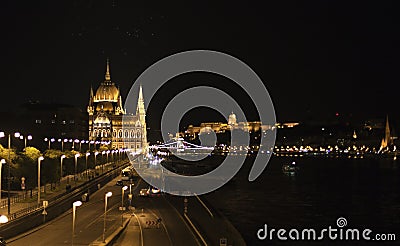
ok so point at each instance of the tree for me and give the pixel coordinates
(26, 166)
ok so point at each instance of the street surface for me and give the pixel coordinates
(152, 222)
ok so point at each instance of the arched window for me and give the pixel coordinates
(126, 134)
(138, 134)
(132, 134)
(114, 133)
(120, 133)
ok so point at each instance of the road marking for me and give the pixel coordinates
(195, 229)
(184, 221)
(102, 214)
(205, 206)
(163, 225)
(140, 228)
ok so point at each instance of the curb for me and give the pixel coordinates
(113, 235)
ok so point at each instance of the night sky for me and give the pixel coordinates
(318, 57)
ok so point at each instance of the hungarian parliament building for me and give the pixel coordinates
(108, 121)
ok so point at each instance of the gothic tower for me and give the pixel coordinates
(141, 114)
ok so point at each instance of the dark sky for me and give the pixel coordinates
(313, 56)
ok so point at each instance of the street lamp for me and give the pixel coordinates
(123, 193)
(61, 166)
(108, 194)
(95, 158)
(73, 143)
(1, 164)
(112, 156)
(122, 204)
(76, 165)
(91, 142)
(17, 135)
(3, 219)
(62, 144)
(107, 152)
(41, 158)
(29, 137)
(48, 141)
(87, 173)
(80, 145)
(102, 160)
(52, 140)
(74, 205)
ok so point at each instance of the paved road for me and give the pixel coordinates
(88, 224)
(172, 230)
(143, 228)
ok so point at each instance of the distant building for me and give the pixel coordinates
(108, 121)
(47, 120)
(388, 139)
(219, 127)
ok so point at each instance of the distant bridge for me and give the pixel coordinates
(180, 145)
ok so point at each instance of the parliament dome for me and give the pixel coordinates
(107, 91)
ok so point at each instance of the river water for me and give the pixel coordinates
(366, 192)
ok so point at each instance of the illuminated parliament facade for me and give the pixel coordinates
(108, 121)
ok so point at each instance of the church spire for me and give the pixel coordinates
(91, 92)
(387, 140)
(108, 77)
(141, 113)
(90, 106)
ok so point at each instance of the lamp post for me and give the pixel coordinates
(76, 165)
(87, 173)
(92, 142)
(108, 194)
(1, 164)
(74, 205)
(80, 145)
(62, 144)
(123, 193)
(95, 158)
(73, 143)
(122, 204)
(61, 166)
(17, 135)
(40, 159)
(48, 142)
(107, 152)
(102, 161)
(29, 137)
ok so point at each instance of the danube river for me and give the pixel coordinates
(365, 192)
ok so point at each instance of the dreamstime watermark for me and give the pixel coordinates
(204, 96)
(338, 232)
